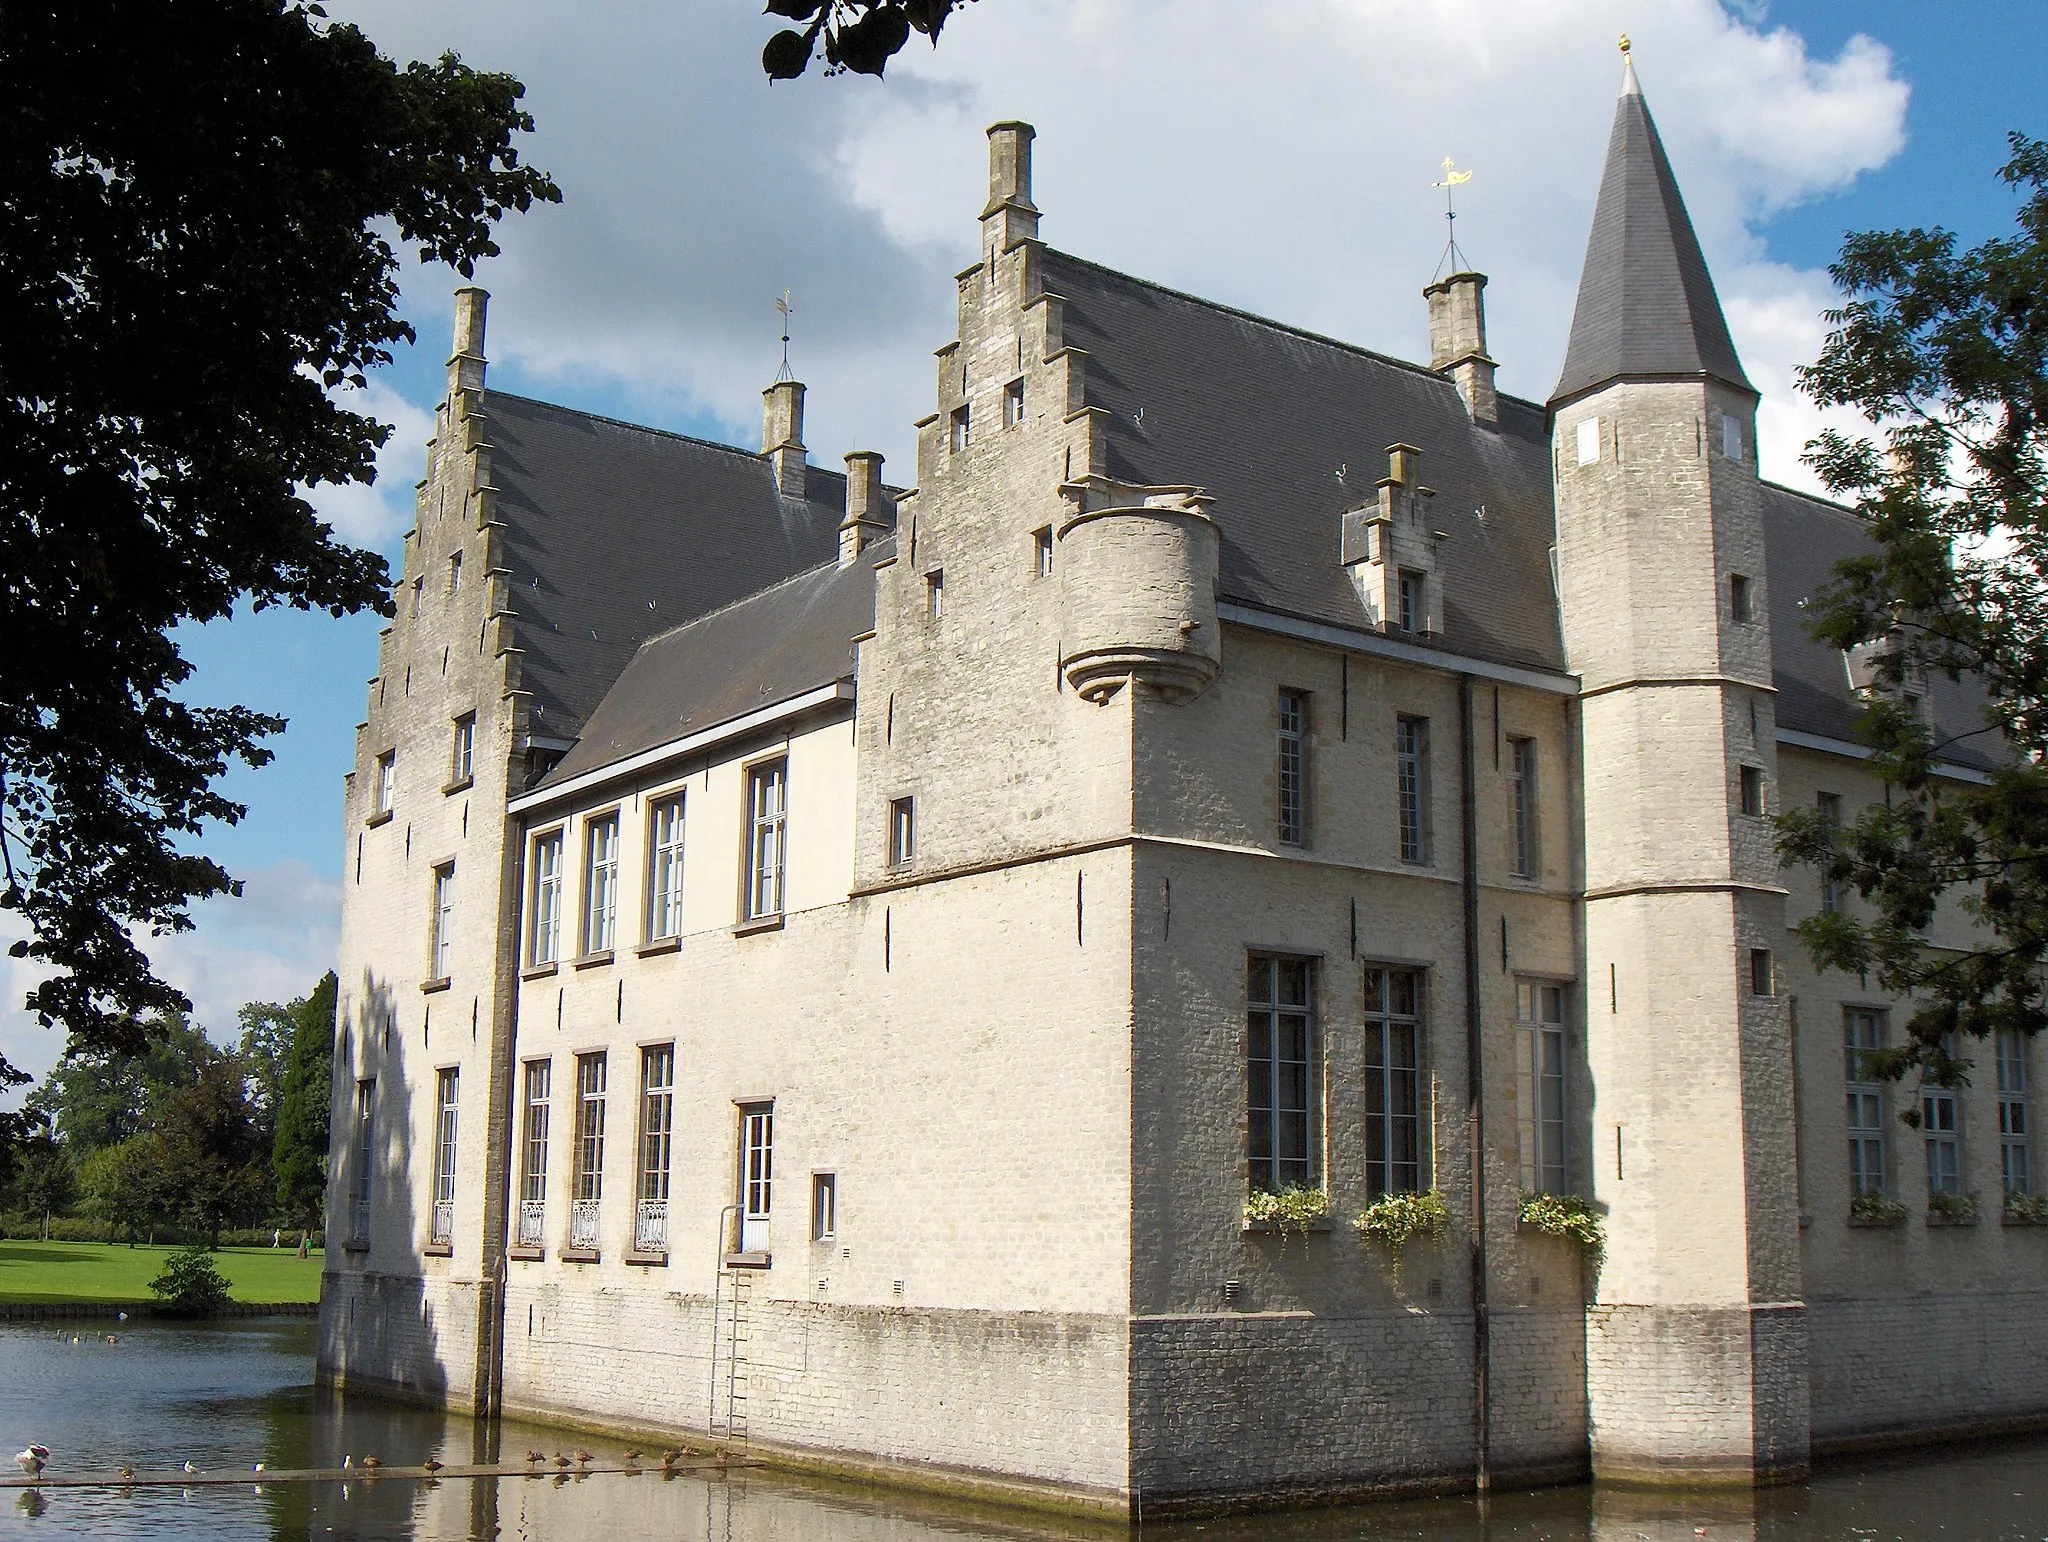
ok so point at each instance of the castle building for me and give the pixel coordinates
(839, 966)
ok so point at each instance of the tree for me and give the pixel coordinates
(210, 1152)
(857, 35)
(298, 1155)
(96, 1098)
(194, 196)
(124, 1187)
(45, 1182)
(268, 1031)
(1945, 353)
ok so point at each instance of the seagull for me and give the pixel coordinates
(348, 1461)
(34, 1459)
(188, 1467)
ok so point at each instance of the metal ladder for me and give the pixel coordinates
(730, 1333)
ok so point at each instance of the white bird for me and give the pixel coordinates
(121, 1316)
(34, 1459)
(348, 1461)
(260, 1467)
(189, 1466)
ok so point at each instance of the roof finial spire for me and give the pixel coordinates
(788, 310)
(1452, 256)
(1629, 86)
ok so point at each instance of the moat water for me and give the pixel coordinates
(227, 1396)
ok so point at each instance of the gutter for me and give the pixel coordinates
(1475, 1090)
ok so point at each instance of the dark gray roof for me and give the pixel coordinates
(1265, 417)
(615, 532)
(1646, 301)
(759, 652)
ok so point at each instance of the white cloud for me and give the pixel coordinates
(373, 515)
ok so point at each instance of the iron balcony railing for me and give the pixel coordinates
(583, 1223)
(650, 1227)
(533, 1217)
(444, 1220)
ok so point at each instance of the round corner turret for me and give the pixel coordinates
(1138, 596)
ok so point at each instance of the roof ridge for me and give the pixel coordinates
(729, 605)
(649, 428)
(1280, 326)
(1827, 505)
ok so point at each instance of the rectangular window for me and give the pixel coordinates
(1013, 404)
(1411, 601)
(545, 946)
(446, 1085)
(1752, 782)
(902, 832)
(960, 429)
(1293, 768)
(365, 1151)
(1041, 551)
(1830, 805)
(1542, 1089)
(533, 1142)
(1944, 1143)
(387, 781)
(665, 869)
(935, 594)
(1280, 1072)
(1522, 806)
(2012, 1114)
(601, 884)
(1411, 759)
(462, 757)
(1763, 972)
(1731, 436)
(1393, 1081)
(1862, 1041)
(657, 1124)
(588, 1188)
(444, 920)
(824, 1206)
(454, 575)
(1738, 597)
(767, 800)
(1589, 441)
(757, 1174)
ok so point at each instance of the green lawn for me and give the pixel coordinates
(100, 1271)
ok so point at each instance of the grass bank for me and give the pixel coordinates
(104, 1271)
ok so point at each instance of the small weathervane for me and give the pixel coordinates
(1452, 178)
(788, 310)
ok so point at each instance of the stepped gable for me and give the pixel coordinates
(616, 532)
(758, 652)
(1646, 307)
(1263, 416)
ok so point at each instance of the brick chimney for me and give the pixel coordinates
(466, 363)
(866, 505)
(1457, 342)
(782, 435)
(1009, 216)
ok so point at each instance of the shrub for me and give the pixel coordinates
(1876, 1209)
(1292, 1209)
(2027, 1209)
(1565, 1215)
(190, 1285)
(1393, 1220)
(1954, 1208)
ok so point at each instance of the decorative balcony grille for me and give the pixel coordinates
(359, 1221)
(583, 1223)
(650, 1227)
(444, 1220)
(533, 1217)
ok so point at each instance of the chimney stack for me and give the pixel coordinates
(1457, 342)
(782, 435)
(466, 363)
(866, 505)
(1009, 216)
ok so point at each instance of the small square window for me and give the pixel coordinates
(1589, 441)
(935, 593)
(1013, 404)
(1738, 597)
(824, 1206)
(1763, 973)
(961, 429)
(1753, 791)
(1041, 551)
(1731, 436)
(902, 832)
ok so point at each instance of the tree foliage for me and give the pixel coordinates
(1945, 353)
(211, 1152)
(95, 1098)
(857, 35)
(298, 1159)
(194, 200)
(190, 1284)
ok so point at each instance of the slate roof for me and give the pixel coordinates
(616, 532)
(1646, 301)
(792, 637)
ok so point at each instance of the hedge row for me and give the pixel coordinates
(64, 1228)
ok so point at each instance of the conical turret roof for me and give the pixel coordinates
(1646, 302)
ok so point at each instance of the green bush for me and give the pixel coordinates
(1957, 1209)
(2027, 1209)
(190, 1285)
(1876, 1209)
(1394, 1220)
(1565, 1215)
(1292, 1209)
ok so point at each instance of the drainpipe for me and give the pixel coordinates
(499, 1230)
(1475, 1087)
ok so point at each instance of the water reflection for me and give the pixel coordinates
(227, 1396)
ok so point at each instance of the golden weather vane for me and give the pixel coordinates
(1452, 178)
(788, 310)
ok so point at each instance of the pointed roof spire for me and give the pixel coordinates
(1646, 302)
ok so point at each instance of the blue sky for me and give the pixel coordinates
(1288, 174)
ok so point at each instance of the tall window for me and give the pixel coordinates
(1413, 608)
(601, 884)
(1830, 806)
(366, 1102)
(1588, 435)
(2012, 1114)
(1738, 597)
(1862, 1040)
(1752, 791)
(588, 1188)
(665, 870)
(462, 757)
(533, 1141)
(1522, 805)
(657, 1122)
(824, 1206)
(447, 1083)
(959, 429)
(1943, 1134)
(1041, 551)
(767, 813)
(1293, 768)
(757, 1174)
(1541, 1090)
(545, 945)
(1013, 404)
(387, 781)
(444, 919)
(1280, 1071)
(1393, 1076)
(454, 575)
(1411, 763)
(902, 832)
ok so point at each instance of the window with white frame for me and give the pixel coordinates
(600, 883)
(1393, 1081)
(387, 782)
(1863, 1034)
(1522, 791)
(365, 1153)
(824, 1206)
(1542, 1090)
(1941, 1129)
(462, 754)
(1411, 601)
(1588, 435)
(454, 575)
(767, 815)
(757, 1174)
(1041, 551)
(657, 1125)
(2016, 1168)
(447, 1085)
(959, 428)
(444, 920)
(533, 1142)
(665, 869)
(1293, 743)
(588, 1187)
(902, 832)
(1411, 769)
(1013, 404)
(544, 934)
(1281, 1072)
(935, 594)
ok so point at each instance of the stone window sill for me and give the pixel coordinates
(648, 1260)
(749, 1260)
(429, 987)
(595, 960)
(526, 1255)
(538, 971)
(759, 924)
(658, 946)
(2021, 1220)
(1950, 1220)
(1321, 1223)
(460, 784)
(578, 1255)
(439, 1250)
(381, 817)
(356, 1245)
(1874, 1223)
